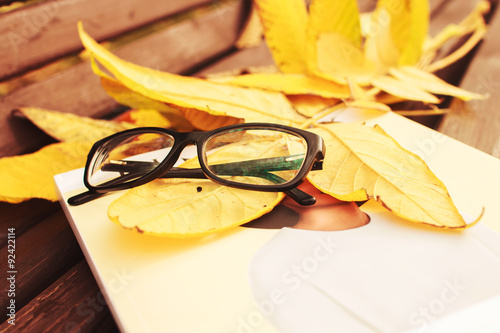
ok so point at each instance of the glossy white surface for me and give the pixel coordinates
(174, 285)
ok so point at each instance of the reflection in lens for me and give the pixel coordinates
(126, 158)
(255, 156)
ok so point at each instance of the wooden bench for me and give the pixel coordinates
(41, 67)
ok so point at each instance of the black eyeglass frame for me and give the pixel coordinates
(313, 158)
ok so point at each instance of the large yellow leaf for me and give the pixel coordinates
(368, 105)
(181, 119)
(31, 176)
(380, 47)
(252, 33)
(206, 121)
(419, 28)
(397, 32)
(404, 90)
(144, 118)
(188, 208)
(69, 127)
(285, 32)
(193, 93)
(310, 105)
(333, 43)
(125, 96)
(337, 16)
(430, 82)
(292, 84)
(365, 163)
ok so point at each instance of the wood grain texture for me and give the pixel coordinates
(39, 33)
(477, 123)
(24, 215)
(445, 12)
(73, 303)
(451, 12)
(240, 61)
(177, 49)
(43, 254)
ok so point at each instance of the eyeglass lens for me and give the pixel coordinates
(255, 156)
(124, 160)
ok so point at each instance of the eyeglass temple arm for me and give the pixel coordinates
(292, 162)
(228, 169)
(87, 196)
(260, 168)
(139, 167)
(296, 194)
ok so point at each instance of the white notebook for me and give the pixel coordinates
(204, 285)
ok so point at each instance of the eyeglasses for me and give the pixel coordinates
(252, 156)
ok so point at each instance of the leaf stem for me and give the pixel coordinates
(461, 52)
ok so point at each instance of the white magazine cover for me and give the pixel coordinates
(387, 276)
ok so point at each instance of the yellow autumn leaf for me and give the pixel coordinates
(432, 83)
(351, 111)
(292, 84)
(346, 47)
(336, 16)
(397, 32)
(388, 99)
(419, 28)
(188, 208)
(125, 96)
(206, 121)
(406, 91)
(179, 118)
(365, 102)
(358, 93)
(284, 25)
(333, 42)
(310, 105)
(251, 35)
(70, 127)
(193, 93)
(380, 48)
(31, 176)
(365, 163)
(368, 105)
(147, 118)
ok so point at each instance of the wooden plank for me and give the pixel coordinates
(77, 89)
(107, 326)
(24, 215)
(73, 303)
(39, 33)
(451, 12)
(43, 254)
(240, 60)
(445, 12)
(477, 123)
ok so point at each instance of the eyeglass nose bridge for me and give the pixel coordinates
(181, 141)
